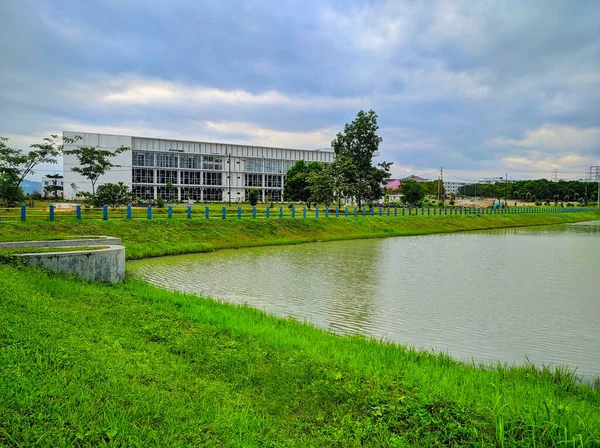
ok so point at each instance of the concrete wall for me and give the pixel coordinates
(84, 241)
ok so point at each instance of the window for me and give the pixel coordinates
(273, 195)
(213, 179)
(254, 180)
(143, 176)
(272, 166)
(254, 165)
(194, 193)
(142, 158)
(191, 177)
(272, 181)
(212, 163)
(166, 176)
(190, 161)
(166, 160)
(213, 194)
(143, 192)
(167, 193)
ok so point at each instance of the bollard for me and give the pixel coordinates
(337, 212)
(105, 212)
(254, 211)
(304, 212)
(149, 212)
(51, 212)
(78, 210)
(409, 211)
(388, 210)
(372, 210)
(170, 211)
(355, 211)
(316, 211)
(434, 211)
(239, 212)
(403, 210)
(189, 212)
(23, 212)
(364, 211)
(346, 211)
(445, 211)
(326, 211)
(267, 212)
(422, 210)
(380, 211)
(281, 211)
(395, 210)
(128, 211)
(206, 212)
(293, 211)
(224, 212)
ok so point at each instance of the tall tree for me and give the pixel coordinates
(296, 187)
(113, 195)
(413, 192)
(359, 142)
(15, 165)
(94, 162)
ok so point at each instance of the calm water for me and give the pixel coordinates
(500, 295)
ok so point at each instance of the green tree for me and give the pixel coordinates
(413, 192)
(15, 165)
(295, 187)
(321, 186)
(359, 142)
(94, 162)
(54, 188)
(112, 195)
(253, 196)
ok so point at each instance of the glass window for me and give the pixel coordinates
(167, 194)
(166, 176)
(143, 192)
(191, 177)
(142, 158)
(190, 161)
(143, 176)
(254, 180)
(212, 178)
(194, 193)
(273, 181)
(273, 195)
(212, 163)
(167, 160)
(213, 194)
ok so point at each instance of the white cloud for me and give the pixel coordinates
(554, 137)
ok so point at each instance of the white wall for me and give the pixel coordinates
(109, 142)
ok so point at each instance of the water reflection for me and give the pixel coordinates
(499, 295)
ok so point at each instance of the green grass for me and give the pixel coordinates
(148, 238)
(85, 364)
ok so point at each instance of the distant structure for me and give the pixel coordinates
(415, 178)
(452, 187)
(53, 182)
(490, 180)
(393, 185)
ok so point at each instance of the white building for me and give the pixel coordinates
(490, 180)
(187, 170)
(452, 187)
(48, 182)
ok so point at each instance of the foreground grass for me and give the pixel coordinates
(148, 238)
(86, 364)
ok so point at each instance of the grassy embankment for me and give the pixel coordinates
(147, 238)
(85, 364)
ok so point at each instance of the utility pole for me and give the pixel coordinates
(506, 189)
(554, 175)
(229, 179)
(441, 185)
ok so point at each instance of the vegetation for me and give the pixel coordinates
(94, 162)
(86, 364)
(6, 251)
(163, 236)
(113, 195)
(413, 192)
(253, 196)
(296, 186)
(54, 188)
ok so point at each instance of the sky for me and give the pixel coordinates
(482, 88)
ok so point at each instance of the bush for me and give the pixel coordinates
(538, 204)
(570, 205)
(253, 196)
(113, 195)
(160, 202)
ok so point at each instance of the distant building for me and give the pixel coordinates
(415, 178)
(452, 187)
(490, 180)
(53, 182)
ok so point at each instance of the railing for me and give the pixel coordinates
(53, 213)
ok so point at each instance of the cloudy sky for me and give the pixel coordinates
(481, 87)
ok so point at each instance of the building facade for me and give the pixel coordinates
(55, 186)
(452, 187)
(190, 170)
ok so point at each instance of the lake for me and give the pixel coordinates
(502, 295)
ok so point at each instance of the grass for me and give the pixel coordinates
(156, 237)
(85, 364)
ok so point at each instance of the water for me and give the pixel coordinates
(503, 295)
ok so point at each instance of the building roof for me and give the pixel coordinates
(392, 184)
(415, 178)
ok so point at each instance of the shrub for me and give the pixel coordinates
(253, 196)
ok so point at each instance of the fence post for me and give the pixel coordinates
(364, 210)
(304, 212)
(372, 210)
(78, 211)
(170, 211)
(326, 211)
(105, 212)
(239, 212)
(254, 211)
(422, 210)
(395, 210)
(23, 212)
(267, 212)
(434, 211)
(51, 212)
(380, 211)
(293, 211)
(128, 212)
(346, 211)
(224, 212)
(206, 212)
(281, 211)
(428, 210)
(337, 211)
(355, 211)
(316, 211)
(149, 212)
(403, 210)
(189, 212)
(445, 211)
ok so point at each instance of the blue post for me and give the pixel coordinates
(364, 211)
(372, 210)
(128, 212)
(403, 210)
(224, 212)
(78, 210)
(239, 212)
(105, 212)
(316, 211)
(355, 211)
(428, 211)
(380, 211)
(422, 210)
(304, 212)
(51, 212)
(461, 210)
(337, 211)
(395, 210)
(268, 211)
(189, 212)
(206, 212)
(293, 211)
(24, 212)
(281, 211)
(170, 211)
(445, 211)
(388, 211)
(149, 212)
(434, 211)
(346, 211)
(254, 211)
(326, 211)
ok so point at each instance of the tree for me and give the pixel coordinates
(359, 142)
(15, 165)
(54, 188)
(413, 192)
(295, 187)
(113, 195)
(253, 196)
(321, 186)
(94, 162)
